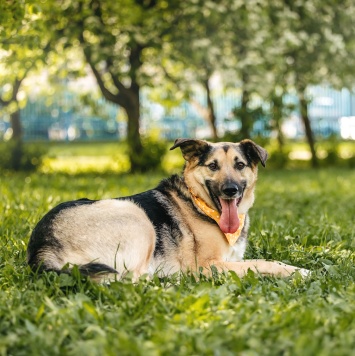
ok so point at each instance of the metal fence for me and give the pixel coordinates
(65, 118)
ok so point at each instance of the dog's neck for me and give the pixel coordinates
(232, 238)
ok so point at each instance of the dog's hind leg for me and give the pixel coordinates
(107, 238)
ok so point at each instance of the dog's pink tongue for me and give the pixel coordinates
(229, 222)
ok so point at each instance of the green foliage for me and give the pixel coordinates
(294, 220)
(154, 150)
(332, 152)
(278, 159)
(11, 16)
(350, 161)
(248, 115)
(20, 156)
(131, 45)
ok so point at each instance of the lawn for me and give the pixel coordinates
(303, 217)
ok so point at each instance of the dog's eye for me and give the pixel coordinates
(240, 166)
(213, 166)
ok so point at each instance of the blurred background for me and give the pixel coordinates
(107, 85)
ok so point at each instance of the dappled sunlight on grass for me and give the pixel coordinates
(86, 157)
(85, 164)
(108, 157)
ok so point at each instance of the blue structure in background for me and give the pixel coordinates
(67, 119)
(327, 107)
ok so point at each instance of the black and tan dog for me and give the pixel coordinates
(197, 220)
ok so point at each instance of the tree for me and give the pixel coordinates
(10, 103)
(315, 39)
(19, 55)
(197, 42)
(247, 31)
(119, 40)
(11, 16)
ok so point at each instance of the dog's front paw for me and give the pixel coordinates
(284, 270)
(303, 272)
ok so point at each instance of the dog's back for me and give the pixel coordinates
(98, 236)
(139, 233)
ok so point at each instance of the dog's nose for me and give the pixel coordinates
(230, 189)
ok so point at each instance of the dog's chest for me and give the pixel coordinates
(236, 252)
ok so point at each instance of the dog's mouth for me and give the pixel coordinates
(228, 208)
(229, 221)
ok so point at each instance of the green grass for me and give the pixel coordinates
(301, 217)
(96, 157)
(104, 157)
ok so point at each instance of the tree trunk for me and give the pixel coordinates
(277, 105)
(135, 148)
(128, 99)
(280, 136)
(211, 116)
(15, 120)
(307, 127)
(244, 115)
(133, 112)
(16, 141)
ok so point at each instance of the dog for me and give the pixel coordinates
(187, 223)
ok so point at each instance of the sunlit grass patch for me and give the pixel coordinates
(85, 164)
(86, 157)
(98, 157)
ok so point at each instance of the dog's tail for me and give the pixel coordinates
(96, 271)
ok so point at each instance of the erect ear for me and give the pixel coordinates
(253, 152)
(191, 148)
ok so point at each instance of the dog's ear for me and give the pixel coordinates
(253, 152)
(191, 148)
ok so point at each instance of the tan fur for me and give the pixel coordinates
(132, 236)
(208, 247)
(195, 176)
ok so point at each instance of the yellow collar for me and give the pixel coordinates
(213, 214)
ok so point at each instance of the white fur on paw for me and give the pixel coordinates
(303, 272)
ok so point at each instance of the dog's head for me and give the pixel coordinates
(223, 175)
